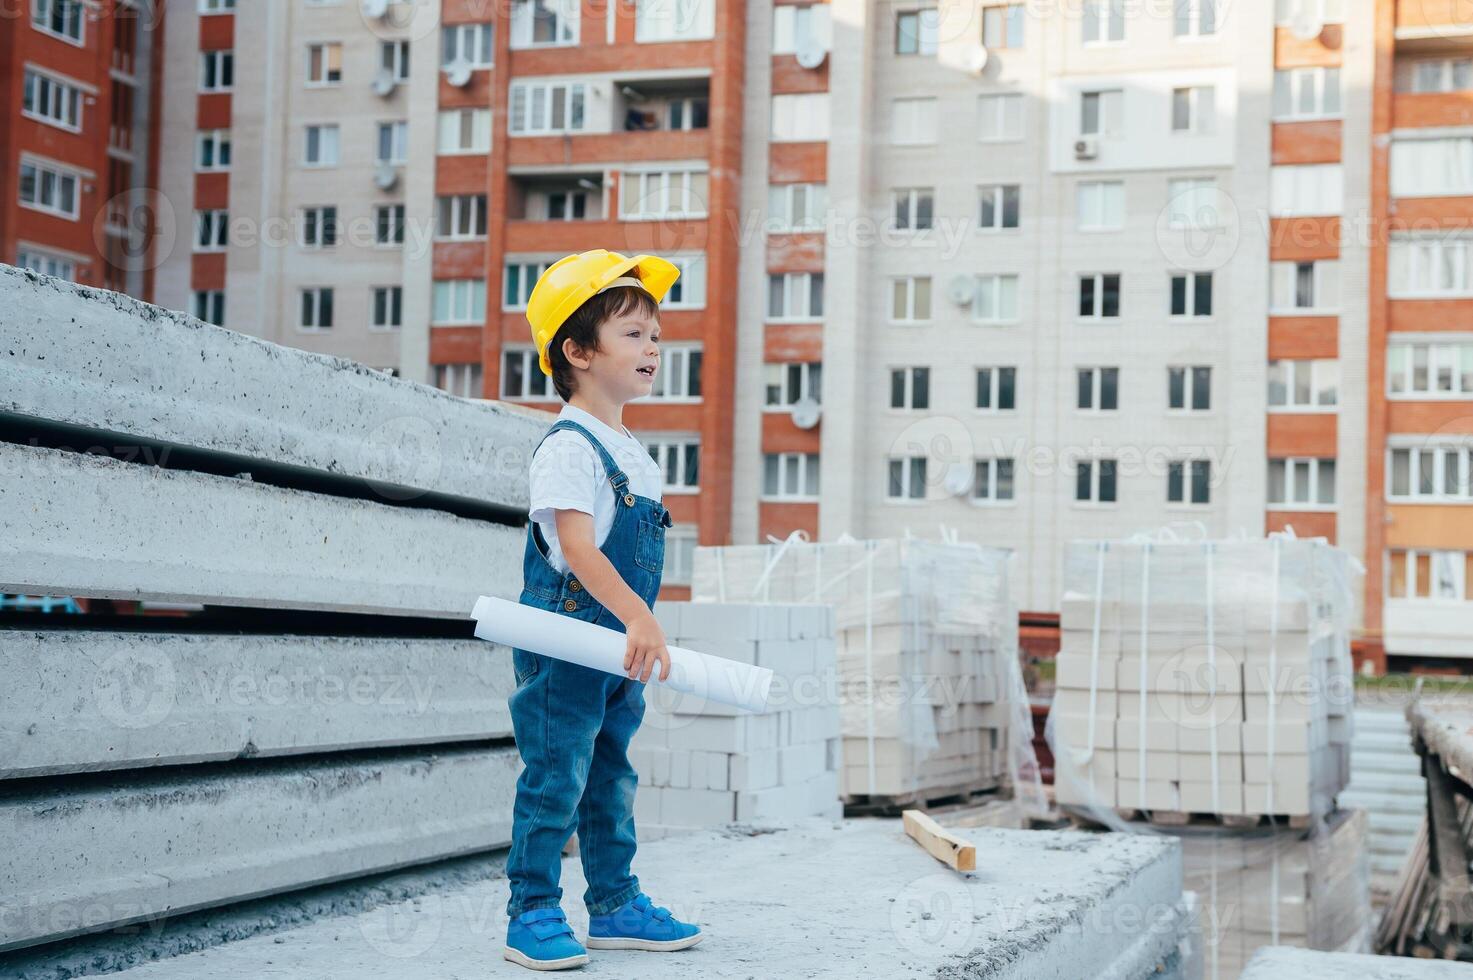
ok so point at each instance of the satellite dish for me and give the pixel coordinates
(1307, 22)
(958, 479)
(962, 290)
(375, 9)
(458, 73)
(386, 175)
(977, 60)
(383, 83)
(810, 53)
(806, 413)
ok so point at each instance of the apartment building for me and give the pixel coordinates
(78, 139)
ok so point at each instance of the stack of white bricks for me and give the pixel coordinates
(926, 636)
(703, 764)
(1205, 677)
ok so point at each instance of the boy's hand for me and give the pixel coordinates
(645, 648)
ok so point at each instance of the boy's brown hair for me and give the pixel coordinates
(582, 325)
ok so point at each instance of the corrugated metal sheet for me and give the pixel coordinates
(1385, 780)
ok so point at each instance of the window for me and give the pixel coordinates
(324, 64)
(47, 264)
(796, 207)
(907, 478)
(992, 480)
(393, 59)
(1193, 109)
(1442, 75)
(1094, 481)
(1100, 113)
(460, 216)
(522, 377)
(216, 71)
(913, 121)
(47, 187)
(794, 295)
(320, 227)
(1436, 576)
(393, 142)
(465, 131)
(910, 387)
(910, 299)
(1305, 385)
(540, 108)
(62, 18)
(680, 550)
(1301, 484)
(212, 150)
(52, 101)
(1189, 481)
(1429, 370)
(461, 380)
(999, 206)
(1002, 26)
(1432, 167)
(322, 146)
(209, 306)
(1189, 389)
(1286, 12)
(679, 461)
(1304, 287)
(1101, 205)
(459, 301)
(316, 308)
(1098, 389)
(1104, 21)
(1000, 118)
(996, 300)
(565, 205)
(788, 384)
(1191, 202)
(211, 228)
(519, 278)
(663, 194)
(216, 6)
(1191, 294)
(466, 43)
(1429, 473)
(915, 31)
(997, 389)
(1099, 295)
(679, 377)
(1195, 18)
(388, 307)
(388, 222)
(1305, 189)
(674, 20)
(1428, 267)
(794, 26)
(790, 476)
(800, 118)
(1306, 93)
(689, 291)
(544, 23)
(913, 208)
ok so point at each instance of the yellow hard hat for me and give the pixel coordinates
(573, 279)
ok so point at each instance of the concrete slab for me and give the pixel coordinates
(85, 525)
(108, 362)
(86, 700)
(1290, 963)
(807, 899)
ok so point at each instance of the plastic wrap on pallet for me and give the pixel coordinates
(930, 691)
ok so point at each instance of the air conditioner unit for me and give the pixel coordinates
(1086, 148)
(810, 53)
(385, 175)
(458, 73)
(375, 9)
(384, 83)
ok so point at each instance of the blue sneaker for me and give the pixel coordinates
(541, 939)
(641, 924)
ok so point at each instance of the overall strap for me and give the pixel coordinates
(617, 478)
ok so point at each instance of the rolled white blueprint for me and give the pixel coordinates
(691, 672)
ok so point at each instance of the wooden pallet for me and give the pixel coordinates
(931, 800)
(1178, 818)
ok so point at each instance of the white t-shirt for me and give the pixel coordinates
(567, 474)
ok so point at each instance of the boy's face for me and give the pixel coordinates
(628, 357)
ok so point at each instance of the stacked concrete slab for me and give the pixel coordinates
(1287, 963)
(926, 640)
(149, 456)
(1205, 677)
(703, 764)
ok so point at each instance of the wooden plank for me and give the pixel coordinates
(943, 845)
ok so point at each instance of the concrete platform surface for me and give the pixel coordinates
(1289, 963)
(814, 898)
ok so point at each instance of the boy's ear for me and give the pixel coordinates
(574, 353)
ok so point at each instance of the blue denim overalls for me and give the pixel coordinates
(573, 723)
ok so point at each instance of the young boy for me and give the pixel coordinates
(595, 551)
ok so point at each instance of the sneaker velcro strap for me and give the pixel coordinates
(546, 923)
(644, 904)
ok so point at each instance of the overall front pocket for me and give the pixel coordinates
(649, 546)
